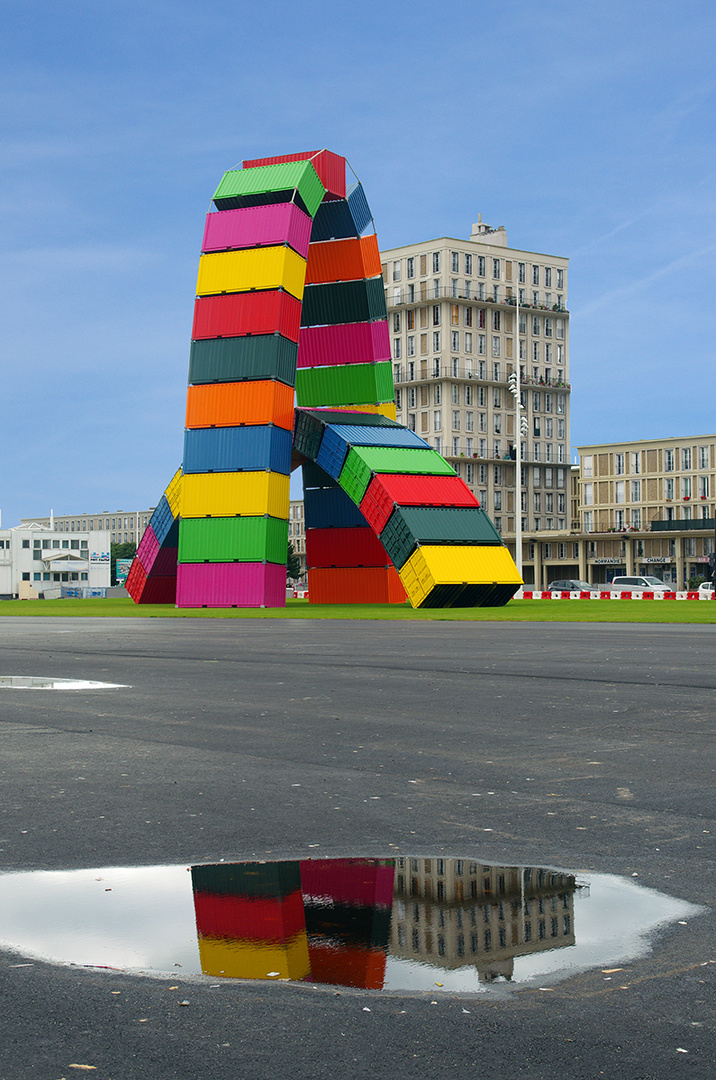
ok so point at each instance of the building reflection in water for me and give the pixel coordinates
(337, 921)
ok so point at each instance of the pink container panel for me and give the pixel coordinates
(148, 548)
(231, 585)
(348, 343)
(279, 223)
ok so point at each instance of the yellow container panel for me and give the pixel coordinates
(229, 494)
(385, 408)
(252, 268)
(449, 564)
(173, 493)
(239, 958)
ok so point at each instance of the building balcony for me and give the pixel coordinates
(401, 375)
(407, 298)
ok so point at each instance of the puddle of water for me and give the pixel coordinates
(32, 682)
(411, 924)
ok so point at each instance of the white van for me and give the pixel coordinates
(639, 584)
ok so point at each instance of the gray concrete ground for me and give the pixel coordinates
(197, 759)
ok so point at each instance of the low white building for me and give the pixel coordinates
(35, 561)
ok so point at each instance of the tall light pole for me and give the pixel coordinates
(520, 430)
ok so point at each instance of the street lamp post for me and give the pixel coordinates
(520, 431)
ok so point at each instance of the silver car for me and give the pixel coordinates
(639, 583)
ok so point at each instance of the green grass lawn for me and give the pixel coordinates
(616, 611)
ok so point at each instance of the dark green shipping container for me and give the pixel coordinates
(343, 302)
(266, 356)
(411, 525)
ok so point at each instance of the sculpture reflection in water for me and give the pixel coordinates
(340, 921)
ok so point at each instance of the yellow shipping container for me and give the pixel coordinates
(232, 493)
(239, 958)
(173, 493)
(252, 268)
(386, 408)
(451, 564)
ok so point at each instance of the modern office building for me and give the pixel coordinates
(454, 307)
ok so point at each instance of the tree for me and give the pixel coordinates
(119, 551)
(293, 564)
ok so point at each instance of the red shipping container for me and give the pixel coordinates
(366, 882)
(148, 548)
(331, 168)
(360, 585)
(165, 563)
(269, 311)
(344, 548)
(258, 918)
(136, 580)
(159, 590)
(345, 343)
(335, 964)
(385, 490)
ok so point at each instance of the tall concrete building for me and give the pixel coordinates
(452, 307)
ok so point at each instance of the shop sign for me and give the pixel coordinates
(608, 562)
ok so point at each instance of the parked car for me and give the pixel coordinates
(639, 584)
(707, 588)
(570, 585)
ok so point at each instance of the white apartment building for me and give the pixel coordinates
(462, 315)
(35, 560)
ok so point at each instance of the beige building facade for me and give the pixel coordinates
(123, 526)
(462, 315)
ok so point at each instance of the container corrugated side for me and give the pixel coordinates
(344, 548)
(333, 452)
(358, 585)
(383, 408)
(233, 584)
(162, 519)
(340, 417)
(249, 917)
(281, 223)
(330, 167)
(270, 312)
(263, 356)
(361, 385)
(326, 508)
(147, 549)
(248, 402)
(373, 435)
(410, 525)
(243, 539)
(251, 268)
(226, 449)
(271, 183)
(173, 493)
(347, 343)
(239, 959)
(229, 494)
(484, 573)
(350, 259)
(386, 491)
(343, 302)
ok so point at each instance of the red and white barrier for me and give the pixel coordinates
(607, 594)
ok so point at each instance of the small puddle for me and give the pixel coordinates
(35, 682)
(412, 924)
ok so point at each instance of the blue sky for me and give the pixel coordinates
(587, 130)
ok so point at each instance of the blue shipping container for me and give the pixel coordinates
(327, 508)
(230, 449)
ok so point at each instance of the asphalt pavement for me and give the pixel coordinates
(586, 747)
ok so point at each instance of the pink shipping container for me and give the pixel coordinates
(348, 343)
(148, 548)
(331, 168)
(279, 223)
(231, 585)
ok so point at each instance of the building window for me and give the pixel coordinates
(437, 420)
(468, 342)
(636, 491)
(703, 457)
(619, 496)
(436, 341)
(410, 350)
(496, 345)
(396, 270)
(686, 458)
(436, 262)
(436, 314)
(397, 348)
(455, 340)
(668, 461)
(535, 275)
(619, 466)
(455, 262)
(456, 419)
(481, 344)
(496, 268)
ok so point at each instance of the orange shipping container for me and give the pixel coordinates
(343, 260)
(359, 585)
(230, 404)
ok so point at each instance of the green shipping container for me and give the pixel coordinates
(344, 302)
(347, 384)
(411, 525)
(363, 461)
(235, 539)
(269, 184)
(266, 356)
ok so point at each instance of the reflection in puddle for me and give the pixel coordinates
(392, 924)
(36, 682)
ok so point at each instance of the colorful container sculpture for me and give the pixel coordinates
(290, 297)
